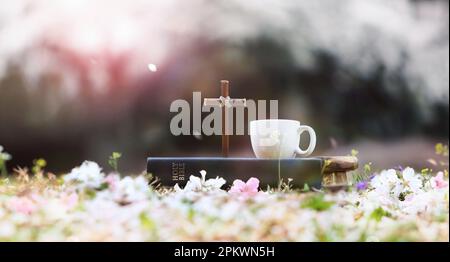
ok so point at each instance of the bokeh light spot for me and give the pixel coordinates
(152, 67)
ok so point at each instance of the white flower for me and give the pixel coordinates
(432, 202)
(196, 184)
(387, 183)
(88, 175)
(7, 229)
(412, 180)
(212, 183)
(54, 209)
(374, 199)
(130, 190)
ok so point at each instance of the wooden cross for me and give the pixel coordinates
(224, 101)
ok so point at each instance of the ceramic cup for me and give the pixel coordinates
(279, 138)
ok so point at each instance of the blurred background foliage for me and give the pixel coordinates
(75, 82)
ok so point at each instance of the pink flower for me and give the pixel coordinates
(37, 199)
(112, 180)
(247, 189)
(438, 181)
(70, 200)
(22, 205)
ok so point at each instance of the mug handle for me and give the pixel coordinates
(312, 142)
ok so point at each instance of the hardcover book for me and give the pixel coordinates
(173, 170)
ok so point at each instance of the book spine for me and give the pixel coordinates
(171, 171)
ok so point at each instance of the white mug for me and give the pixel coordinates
(279, 138)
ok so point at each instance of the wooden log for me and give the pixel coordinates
(334, 172)
(332, 164)
(336, 178)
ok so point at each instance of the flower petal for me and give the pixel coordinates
(238, 183)
(253, 184)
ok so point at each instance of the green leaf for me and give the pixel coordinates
(426, 171)
(41, 162)
(38, 165)
(4, 157)
(146, 222)
(441, 149)
(368, 167)
(113, 160)
(317, 202)
(116, 155)
(378, 213)
(2, 168)
(306, 188)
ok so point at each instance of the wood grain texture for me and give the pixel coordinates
(334, 164)
(334, 172)
(337, 178)
(225, 92)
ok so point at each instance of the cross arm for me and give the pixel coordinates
(225, 101)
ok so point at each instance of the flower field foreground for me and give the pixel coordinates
(88, 205)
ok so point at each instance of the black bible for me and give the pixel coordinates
(177, 170)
